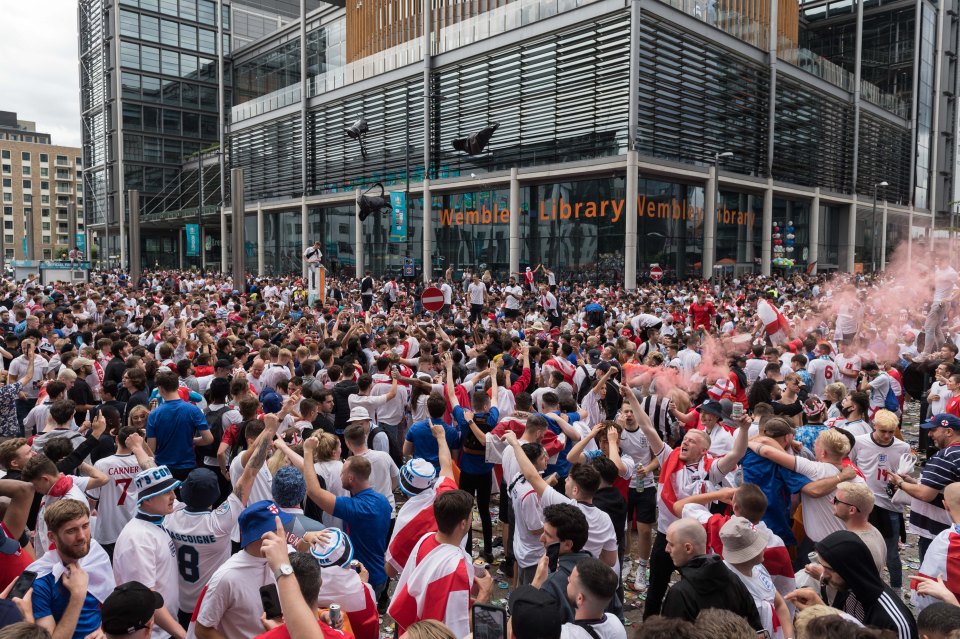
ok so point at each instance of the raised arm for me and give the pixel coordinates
(451, 394)
(724, 494)
(576, 456)
(728, 463)
(613, 450)
(493, 385)
(139, 449)
(526, 466)
(256, 459)
(443, 451)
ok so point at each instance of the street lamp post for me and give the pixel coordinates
(873, 237)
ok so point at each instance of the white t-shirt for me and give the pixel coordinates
(202, 540)
(637, 446)
(602, 535)
(383, 472)
(876, 462)
(118, 497)
(232, 602)
(476, 292)
(754, 369)
(609, 628)
(818, 518)
(851, 365)
(938, 406)
(513, 295)
(857, 428)
(824, 372)
(944, 279)
(145, 553)
(40, 541)
(721, 442)
(527, 517)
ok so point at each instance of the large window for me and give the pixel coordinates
(268, 72)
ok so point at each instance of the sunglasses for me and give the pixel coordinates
(837, 501)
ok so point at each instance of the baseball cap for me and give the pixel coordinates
(711, 407)
(200, 489)
(416, 476)
(358, 413)
(594, 355)
(288, 487)
(129, 608)
(335, 550)
(534, 613)
(8, 545)
(258, 519)
(154, 481)
(80, 362)
(945, 420)
(741, 540)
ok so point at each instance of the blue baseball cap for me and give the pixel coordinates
(943, 420)
(258, 519)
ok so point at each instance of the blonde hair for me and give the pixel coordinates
(67, 375)
(858, 495)
(886, 418)
(836, 390)
(135, 412)
(428, 629)
(833, 441)
(805, 616)
(328, 444)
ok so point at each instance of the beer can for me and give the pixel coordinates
(355, 565)
(335, 617)
(479, 568)
(812, 556)
(737, 411)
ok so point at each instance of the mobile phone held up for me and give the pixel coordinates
(489, 622)
(270, 598)
(553, 556)
(24, 583)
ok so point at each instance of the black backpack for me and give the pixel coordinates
(589, 381)
(215, 422)
(396, 453)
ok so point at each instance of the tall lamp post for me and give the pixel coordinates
(873, 238)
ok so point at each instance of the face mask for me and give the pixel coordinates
(845, 411)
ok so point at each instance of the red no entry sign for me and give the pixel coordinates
(656, 273)
(432, 299)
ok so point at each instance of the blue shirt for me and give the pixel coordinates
(562, 467)
(174, 424)
(471, 462)
(777, 483)
(367, 516)
(424, 443)
(50, 598)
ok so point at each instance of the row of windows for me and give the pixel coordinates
(25, 170)
(25, 137)
(44, 157)
(154, 60)
(144, 88)
(202, 11)
(169, 121)
(144, 148)
(167, 32)
(61, 213)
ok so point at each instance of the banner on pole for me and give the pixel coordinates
(398, 216)
(81, 243)
(193, 240)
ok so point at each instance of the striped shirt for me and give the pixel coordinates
(928, 519)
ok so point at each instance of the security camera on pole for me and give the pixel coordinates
(312, 256)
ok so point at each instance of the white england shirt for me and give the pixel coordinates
(117, 498)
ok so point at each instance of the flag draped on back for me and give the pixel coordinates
(942, 559)
(415, 520)
(341, 585)
(435, 584)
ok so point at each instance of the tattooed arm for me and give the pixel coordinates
(257, 456)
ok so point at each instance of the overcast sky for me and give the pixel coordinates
(38, 66)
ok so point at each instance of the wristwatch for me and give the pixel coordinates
(284, 570)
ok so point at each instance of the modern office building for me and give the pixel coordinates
(41, 188)
(693, 134)
(155, 93)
